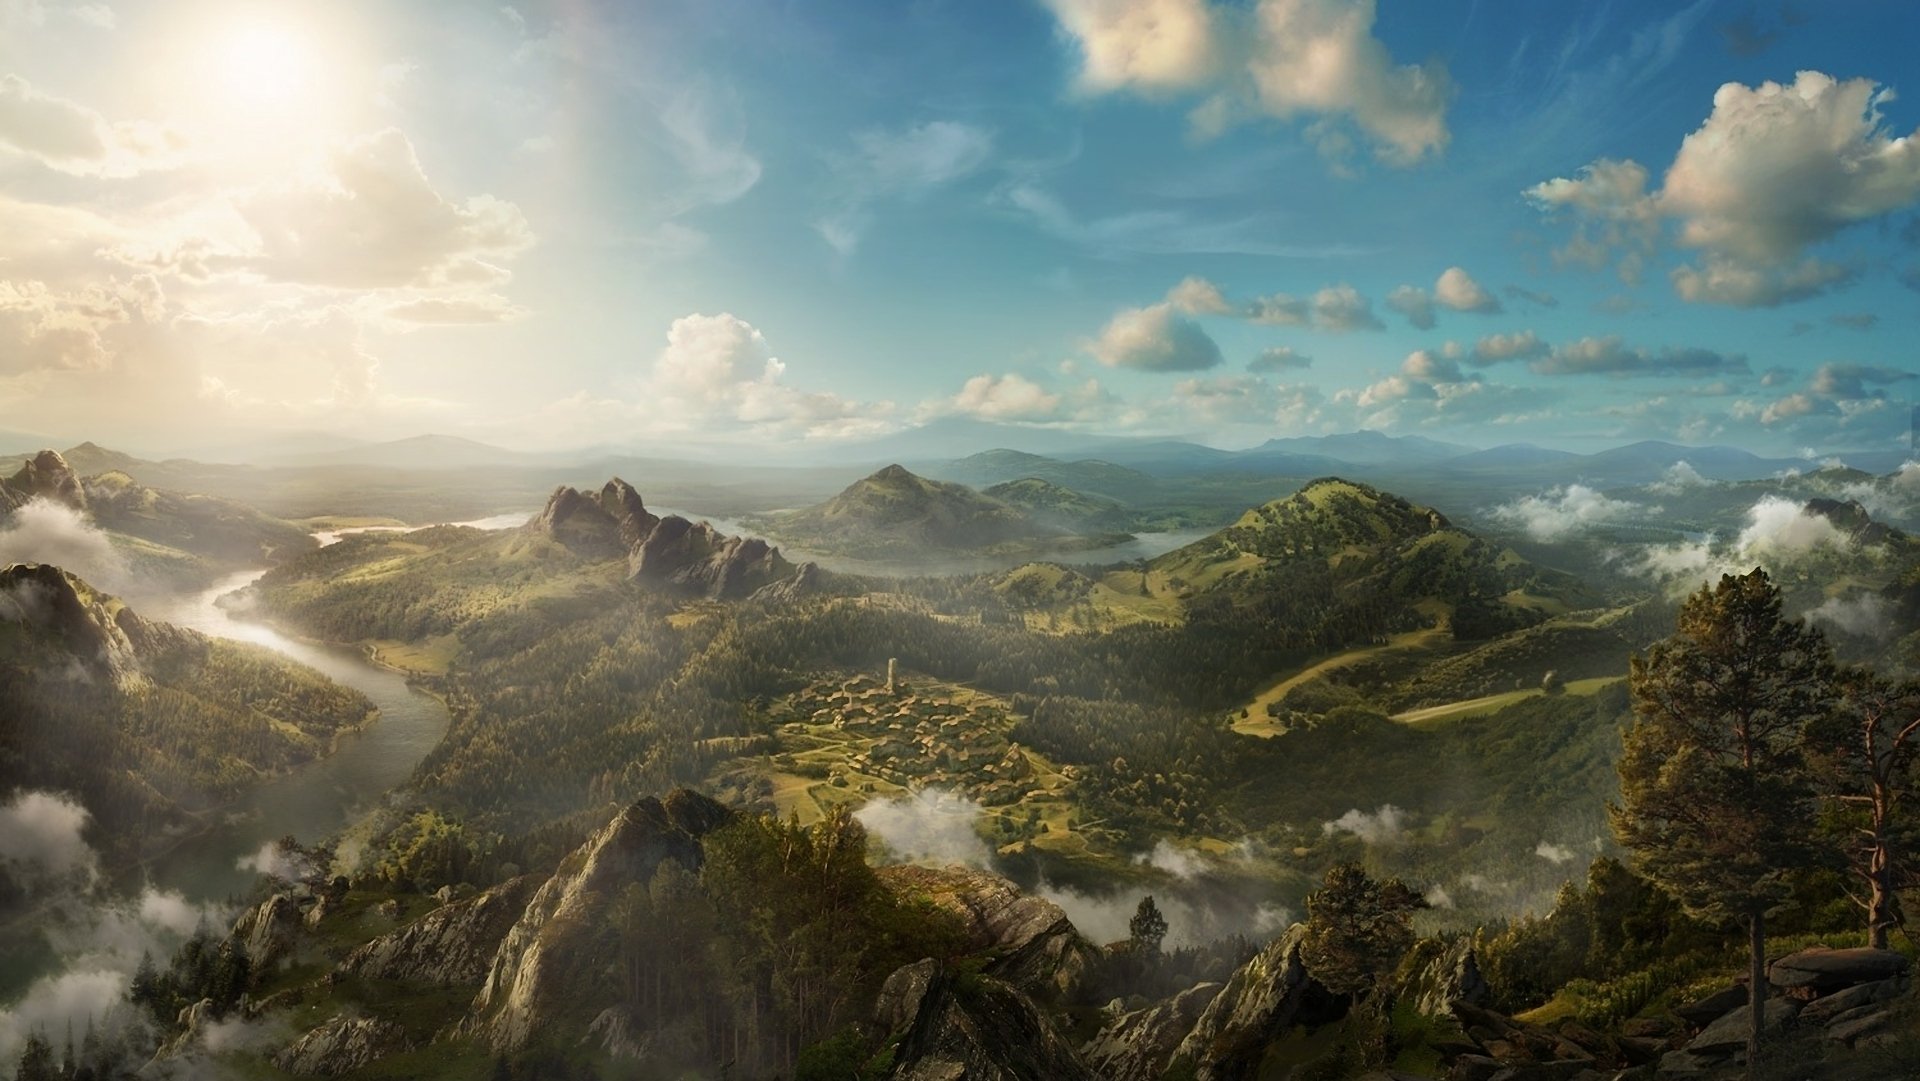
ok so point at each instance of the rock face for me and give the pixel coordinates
(988, 1031)
(342, 1045)
(901, 996)
(1264, 998)
(45, 476)
(1447, 973)
(1037, 948)
(267, 930)
(453, 944)
(670, 552)
(103, 636)
(1824, 970)
(554, 938)
(1138, 1046)
(1730, 1031)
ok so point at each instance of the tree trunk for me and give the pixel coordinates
(1756, 989)
(1880, 903)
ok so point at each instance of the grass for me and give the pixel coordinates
(1257, 722)
(1494, 703)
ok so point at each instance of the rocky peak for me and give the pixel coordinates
(580, 524)
(94, 629)
(699, 558)
(1849, 517)
(623, 504)
(45, 476)
(556, 933)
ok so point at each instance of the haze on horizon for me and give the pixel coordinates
(729, 226)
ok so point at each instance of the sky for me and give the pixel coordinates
(799, 226)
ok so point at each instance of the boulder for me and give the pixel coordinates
(1822, 1010)
(1856, 1023)
(1729, 1033)
(900, 997)
(1138, 1045)
(342, 1045)
(453, 944)
(1035, 946)
(991, 1032)
(1820, 970)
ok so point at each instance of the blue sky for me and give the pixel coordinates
(805, 224)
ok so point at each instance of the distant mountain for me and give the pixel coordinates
(1086, 475)
(895, 512)
(1510, 456)
(1365, 447)
(414, 452)
(1358, 540)
(1056, 505)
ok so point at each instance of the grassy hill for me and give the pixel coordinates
(896, 513)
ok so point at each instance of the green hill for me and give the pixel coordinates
(897, 513)
(1058, 505)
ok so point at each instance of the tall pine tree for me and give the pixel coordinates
(1717, 803)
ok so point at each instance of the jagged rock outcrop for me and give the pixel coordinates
(267, 930)
(554, 939)
(986, 1031)
(1264, 997)
(1850, 518)
(578, 523)
(193, 1021)
(1137, 1046)
(806, 580)
(1442, 974)
(1036, 947)
(342, 1045)
(45, 476)
(901, 996)
(623, 504)
(453, 944)
(99, 633)
(697, 558)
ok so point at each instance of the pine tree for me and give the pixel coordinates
(1358, 928)
(1147, 927)
(36, 1060)
(1716, 804)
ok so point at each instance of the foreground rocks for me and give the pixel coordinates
(453, 944)
(1036, 947)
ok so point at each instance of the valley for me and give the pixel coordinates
(1334, 675)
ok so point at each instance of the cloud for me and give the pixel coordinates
(471, 310)
(1006, 397)
(44, 531)
(1456, 289)
(1179, 862)
(72, 138)
(41, 839)
(1154, 46)
(1385, 826)
(1156, 339)
(905, 163)
(1280, 358)
(1854, 320)
(1415, 303)
(274, 861)
(48, 329)
(1246, 399)
(1862, 615)
(1495, 348)
(373, 220)
(1679, 477)
(1837, 393)
(1336, 309)
(1774, 170)
(1609, 356)
(1553, 853)
(717, 372)
(1312, 60)
(1778, 533)
(1557, 512)
(1198, 296)
(932, 825)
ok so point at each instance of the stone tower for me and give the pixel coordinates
(893, 671)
